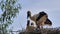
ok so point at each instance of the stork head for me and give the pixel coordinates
(28, 14)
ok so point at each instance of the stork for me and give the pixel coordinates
(40, 19)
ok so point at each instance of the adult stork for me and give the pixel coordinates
(40, 19)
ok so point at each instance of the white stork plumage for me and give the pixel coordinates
(30, 27)
(40, 19)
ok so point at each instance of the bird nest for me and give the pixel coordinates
(43, 31)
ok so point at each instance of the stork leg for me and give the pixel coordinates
(42, 26)
(38, 27)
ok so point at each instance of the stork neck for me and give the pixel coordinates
(30, 16)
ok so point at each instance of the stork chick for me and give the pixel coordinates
(30, 28)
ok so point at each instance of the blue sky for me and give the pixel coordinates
(51, 7)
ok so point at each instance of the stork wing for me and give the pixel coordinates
(48, 22)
